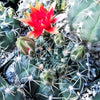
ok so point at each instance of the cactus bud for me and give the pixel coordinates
(26, 45)
(48, 76)
(59, 40)
(78, 53)
(1, 7)
(10, 12)
(61, 69)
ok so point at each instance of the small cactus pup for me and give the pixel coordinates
(10, 12)
(9, 28)
(61, 69)
(26, 45)
(67, 49)
(67, 52)
(59, 40)
(78, 53)
(84, 19)
(48, 77)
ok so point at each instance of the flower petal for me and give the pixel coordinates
(27, 21)
(54, 20)
(59, 18)
(36, 34)
(38, 5)
(27, 14)
(50, 13)
(33, 10)
(52, 30)
(43, 10)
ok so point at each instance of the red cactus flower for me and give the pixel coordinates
(40, 19)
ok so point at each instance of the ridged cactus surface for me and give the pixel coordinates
(8, 27)
(84, 19)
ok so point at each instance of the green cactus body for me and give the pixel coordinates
(10, 92)
(27, 74)
(25, 68)
(46, 92)
(97, 96)
(84, 18)
(67, 90)
(7, 38)
(67, 50)
(3, 85)
(8, 27)
(16, 94)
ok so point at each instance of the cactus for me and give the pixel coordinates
(8, 28)
(47, 92)
(48, 77)
(67, 90)
(10, 92)
(52, 66)
(84, 19)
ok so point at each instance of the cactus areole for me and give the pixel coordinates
(84, 18)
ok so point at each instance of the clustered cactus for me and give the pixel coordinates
(45, 66)
(8, 27)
